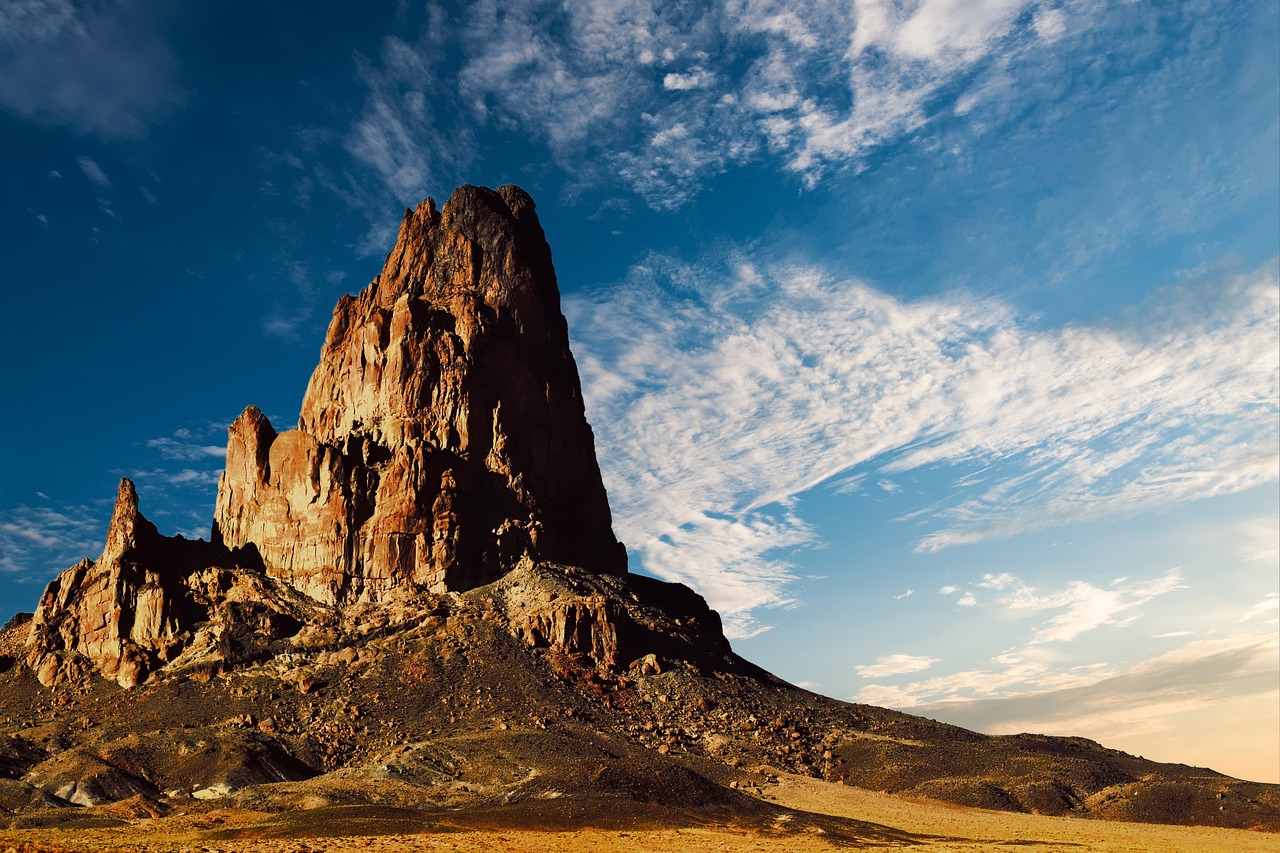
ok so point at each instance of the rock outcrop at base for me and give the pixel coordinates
(148, 600)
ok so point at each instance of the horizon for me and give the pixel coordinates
(935, 346)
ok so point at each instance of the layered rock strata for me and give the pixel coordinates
(442, 438)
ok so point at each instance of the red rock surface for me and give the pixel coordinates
(146, 601)
(442, 443)
(442, 438)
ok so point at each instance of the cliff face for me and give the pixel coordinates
(148, 600)
(442, 444)
(442, 439)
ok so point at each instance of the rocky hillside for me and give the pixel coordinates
(415, 599)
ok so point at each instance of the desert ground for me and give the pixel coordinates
(888, 822)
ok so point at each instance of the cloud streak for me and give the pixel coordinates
(1214, 678)
(100, 68)
(39, 541)
(663, 97)
(898, 664)
(1084, 606)
(722, 393)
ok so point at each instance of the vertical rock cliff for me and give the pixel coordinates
(442, 444)
(442, 439)
(146, 600)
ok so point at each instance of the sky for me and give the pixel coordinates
(933, 341)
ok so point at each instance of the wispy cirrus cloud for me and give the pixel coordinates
(1198, 668)
(402, 133)
(94, 172)
(1082, 606)
(185, 449)
(1077, 608)
(897, 664)
(721, 393)
(39, 541)
(1195, 688)
(177, 477)
(664, 96)
(101, 68)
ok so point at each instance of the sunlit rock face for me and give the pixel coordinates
(150, 600)
(442, 439)
(442, 444)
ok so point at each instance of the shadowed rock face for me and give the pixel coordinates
(442, 439)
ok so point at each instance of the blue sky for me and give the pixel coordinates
(934, 342)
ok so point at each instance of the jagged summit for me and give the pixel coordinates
(442, 438)
(151, 601)
(442, 443)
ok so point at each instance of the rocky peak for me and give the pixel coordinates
(442, 445)
(128, 526)
(442, 438)
(148, 600)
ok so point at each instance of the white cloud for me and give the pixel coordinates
(1084, 606)
(182, 448)
(948, 590)
(943, 33)
(847, 485)
(907, 594)
(39, 541)
(898, 664)
(404, 133)
(1267, 607)
(1208, 678)
(698, 78)
(1014, 674)
(816, 83)
(1050, 24)
(1259, 540)
(94, 172)
(719, 394)
(101, 68)
(967, 600)
(183, 477)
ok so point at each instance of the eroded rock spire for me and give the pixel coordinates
(442, 438)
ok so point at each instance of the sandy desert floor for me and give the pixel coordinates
(937, 827)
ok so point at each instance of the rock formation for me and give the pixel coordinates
(421, 582)
(442, 443)
(148, 599)
(442, 438)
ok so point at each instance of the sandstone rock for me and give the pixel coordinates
(588, 625)
(442, 438)
(442, 444)
(113, 611)
(138, 605)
